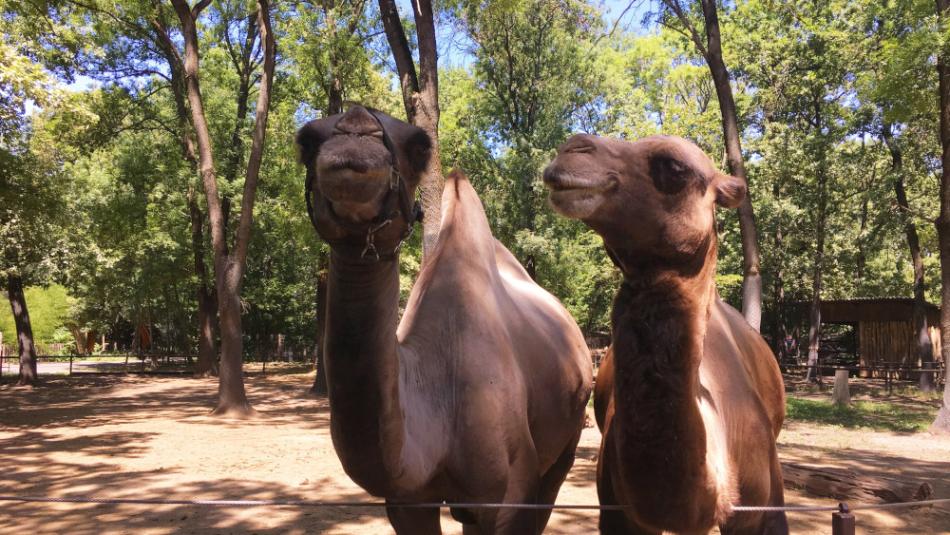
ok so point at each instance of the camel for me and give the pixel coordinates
(479, 394)
(689, 399)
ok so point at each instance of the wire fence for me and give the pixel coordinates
(843, 521)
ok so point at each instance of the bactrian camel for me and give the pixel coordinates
(690, 399)
(479, 394)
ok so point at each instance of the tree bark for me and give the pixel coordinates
(778, 286)
(24, 330)
(751, 275)
(942, 422)
(924, 344)
(814, 329)
(229, 264)
(711, 50)
(207, 363)
(843, 484)
(244, 68)
(420, 94)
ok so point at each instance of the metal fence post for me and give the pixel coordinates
(842, 521)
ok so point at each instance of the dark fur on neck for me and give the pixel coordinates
(659, 322)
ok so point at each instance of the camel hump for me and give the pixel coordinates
(464, 224)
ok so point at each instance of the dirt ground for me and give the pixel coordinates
(151, 437)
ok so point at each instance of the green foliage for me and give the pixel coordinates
(877, 415)
(50, 309)
(94, 187)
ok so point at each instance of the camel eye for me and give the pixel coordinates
(670, 175)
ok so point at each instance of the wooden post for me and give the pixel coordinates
(840, 395)
(70, 365)
(842, 521)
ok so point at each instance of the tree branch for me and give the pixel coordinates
(405, 67)
(257, 141)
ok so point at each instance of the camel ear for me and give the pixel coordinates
(310, 137)
(730, 191)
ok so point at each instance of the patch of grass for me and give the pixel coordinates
(877, 415)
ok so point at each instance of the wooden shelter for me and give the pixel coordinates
(884, 330)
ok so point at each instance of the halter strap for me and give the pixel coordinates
(401, 204)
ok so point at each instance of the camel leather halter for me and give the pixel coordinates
(398, 202)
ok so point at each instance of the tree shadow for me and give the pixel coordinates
(106, 436)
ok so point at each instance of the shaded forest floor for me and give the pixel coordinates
(123, 436)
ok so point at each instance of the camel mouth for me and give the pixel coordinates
(577, 197)
(568, 183)
(349, 186)
(354, 170)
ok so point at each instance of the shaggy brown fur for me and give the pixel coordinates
(689, 397)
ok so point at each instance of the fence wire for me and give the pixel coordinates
(443, 505)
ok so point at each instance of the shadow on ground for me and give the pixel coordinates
(120, 436)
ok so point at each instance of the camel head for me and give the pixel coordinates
(363, 167)
(652, 200)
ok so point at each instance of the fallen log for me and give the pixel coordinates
(846, 485)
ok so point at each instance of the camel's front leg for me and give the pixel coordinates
(413, 521)
(522, 487)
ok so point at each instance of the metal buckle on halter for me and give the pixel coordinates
(371, 238)
(393, 177)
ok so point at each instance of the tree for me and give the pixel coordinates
(31, 194)
(229, 263)
(534, 74)
(420, 94)
(942, 422)
(711, 50)
(921, 332)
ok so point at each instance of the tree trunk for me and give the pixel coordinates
(320, 387)
(942, 422)
(843, 484)
(24, 330)
(235, 151)
(229, 264)
(420, 96)
(80, 338)
(862, 259)
(922, 333)
(814, 330)
(751, 276)
(778, 286)
(426, 104)
(207, 363)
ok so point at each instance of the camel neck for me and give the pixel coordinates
(659, 326)
(363, 369)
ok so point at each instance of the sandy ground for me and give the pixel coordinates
(150, 437)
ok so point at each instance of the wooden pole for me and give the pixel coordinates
(842, 521)
(841, 395)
